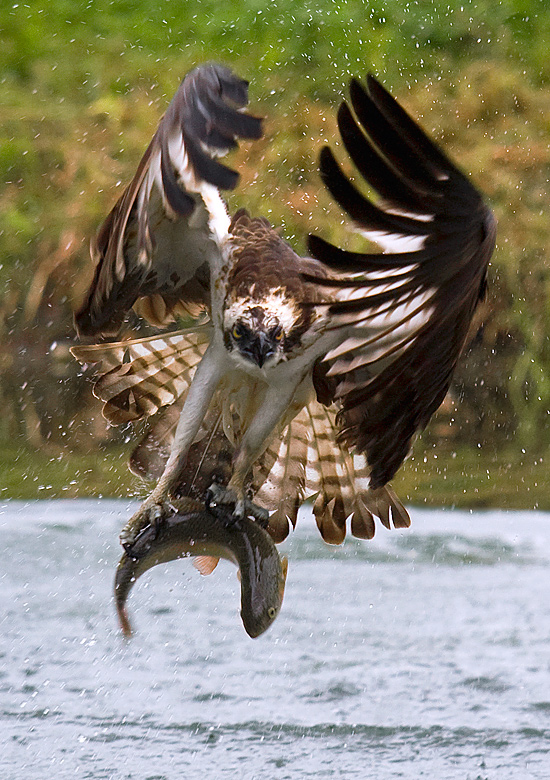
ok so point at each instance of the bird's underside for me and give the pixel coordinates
(304, 376)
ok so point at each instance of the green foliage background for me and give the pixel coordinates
(83, 86)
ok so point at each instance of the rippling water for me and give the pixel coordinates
(425, 653)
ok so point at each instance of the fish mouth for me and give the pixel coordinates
(255, 627)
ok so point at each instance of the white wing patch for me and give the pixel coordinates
(395, 243)
(384, 333)
(218, 218)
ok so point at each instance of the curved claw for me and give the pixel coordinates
(141, 529)
(219, 496)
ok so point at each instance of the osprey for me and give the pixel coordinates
(303, 376)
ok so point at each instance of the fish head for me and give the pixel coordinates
(265, 594)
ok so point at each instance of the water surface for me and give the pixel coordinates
(424, 653)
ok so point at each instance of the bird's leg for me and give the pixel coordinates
(254, 442)
(157, 506)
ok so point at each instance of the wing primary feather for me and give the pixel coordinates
(361, 210)
(201, 113)
(179, 200)
(171, 218)
(386, 180)
(391, 132)
(410, 130)
(343, 261)
(210, 170)
(393, 366)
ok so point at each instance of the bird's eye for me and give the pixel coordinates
(278, 333)
(236, 332)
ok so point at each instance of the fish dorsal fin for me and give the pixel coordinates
(205, 563)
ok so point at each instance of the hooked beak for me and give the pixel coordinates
(260, 349)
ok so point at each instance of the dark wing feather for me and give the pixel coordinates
(402, 316)
(149, 244)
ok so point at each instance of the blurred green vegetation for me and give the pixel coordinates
(83, 87)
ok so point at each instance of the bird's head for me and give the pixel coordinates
(256, 331)
(255, 338)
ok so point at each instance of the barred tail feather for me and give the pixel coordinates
(308, 460)
(384, 503)
(323, 478)
(281, 476)
(139, 376)
(341, 481)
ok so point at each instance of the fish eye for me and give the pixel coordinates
(272, 612)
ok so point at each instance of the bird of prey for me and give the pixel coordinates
(301, 376)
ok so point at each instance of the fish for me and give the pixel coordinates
(196, 531)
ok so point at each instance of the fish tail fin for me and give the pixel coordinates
(124, 621)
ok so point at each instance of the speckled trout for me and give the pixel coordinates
(194, 531)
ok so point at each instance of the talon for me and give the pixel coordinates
(217, 496)
(262, 518)
(158, 514)
(141, 545)
(214, 502)
(210, 498)
(260, 515)
(141, 529)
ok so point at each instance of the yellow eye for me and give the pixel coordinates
(272, 612)
(236, 332)
(278, 334)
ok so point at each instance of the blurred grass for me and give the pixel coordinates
(474, 479)
(28, 474)
(468, 478)
(83, 87)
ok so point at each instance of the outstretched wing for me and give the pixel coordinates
(136, 378)
(163, 234)
(403, 315)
